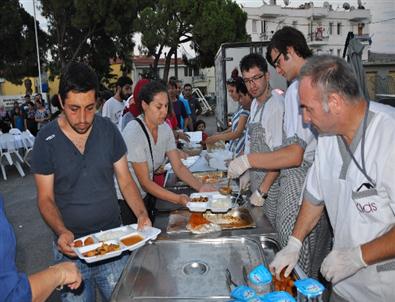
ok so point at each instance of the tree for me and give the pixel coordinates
(92, 31)
(206, 24)
(221, 22)
(18, 55)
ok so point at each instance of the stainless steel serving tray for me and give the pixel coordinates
(173, 182)
(190, 269)
(179, 219)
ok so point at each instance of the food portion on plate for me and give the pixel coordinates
(88, 240)
(197, 224)
(132, 239)
(103, 249)
(111, 243)
(214, 201)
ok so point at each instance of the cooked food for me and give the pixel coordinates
(199, 199)
(197, 219)
(210, 179)
(112, 235)
(225, 190)
(227, 219)
(88, 241)
(198, 224)
(78, 243)
(131, 240)
(285, 283)
(102, 250)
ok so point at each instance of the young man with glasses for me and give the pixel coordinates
(264, 131)
(287, 52)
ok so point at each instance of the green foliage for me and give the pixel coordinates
(221, 21)
(92, 31)
(206, 24)
(18, 55)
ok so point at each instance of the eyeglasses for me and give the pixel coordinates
(254, 79)
(276, 60)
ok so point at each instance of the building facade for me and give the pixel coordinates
(325, 28)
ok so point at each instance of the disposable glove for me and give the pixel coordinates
(238, 166)
(287, 257)
(256, 199)
(244, 181)
(341, 264)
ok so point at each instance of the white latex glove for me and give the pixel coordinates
(341, 264)
(244, 181)
(256, 199)
(287, 257)
(238, 166)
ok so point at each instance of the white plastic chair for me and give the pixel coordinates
(12, 154)
(28, 142)
(15, 131)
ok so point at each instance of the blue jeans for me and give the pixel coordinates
(103, 274)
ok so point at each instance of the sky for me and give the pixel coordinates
(382, 27)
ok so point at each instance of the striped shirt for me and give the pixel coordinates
(237, 145)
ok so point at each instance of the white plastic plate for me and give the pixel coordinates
(216, 202)
(80, 251)
(114, 236)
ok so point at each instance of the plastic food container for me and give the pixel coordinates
(309, 290)
(260, 280)
(278, 297)
(216, 202)
(113, 242)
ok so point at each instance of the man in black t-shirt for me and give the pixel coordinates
(74, 160)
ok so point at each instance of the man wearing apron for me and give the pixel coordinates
(264, 130)
(287, 53)
(352, 176)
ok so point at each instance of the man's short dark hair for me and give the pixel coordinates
(187, 85)
(288, 37)
(253, 60)
(77, 77)
(124, 80)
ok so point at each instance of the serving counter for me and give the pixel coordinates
(192, 267)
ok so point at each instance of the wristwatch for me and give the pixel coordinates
(263, 194)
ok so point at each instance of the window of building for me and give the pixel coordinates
(339, 52)
(330, 28)
(339, 28)
(196, 71)
(254, 26)
(263, 26)
(331, 51)
(295, 24)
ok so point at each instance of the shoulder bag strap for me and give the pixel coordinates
(149, 142)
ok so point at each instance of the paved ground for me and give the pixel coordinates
(33, 235)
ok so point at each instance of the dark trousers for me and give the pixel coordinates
(127, 215)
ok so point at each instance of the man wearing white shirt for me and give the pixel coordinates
(287, 52)
(352, 177)
(113, 107)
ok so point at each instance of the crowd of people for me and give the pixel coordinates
(318, 159)
(30, 115)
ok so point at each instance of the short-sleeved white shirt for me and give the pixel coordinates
(113, 109)
(357, 214)
(295, 130)
(272, 121)
(138, 148)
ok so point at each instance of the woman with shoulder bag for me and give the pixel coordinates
(149, 141)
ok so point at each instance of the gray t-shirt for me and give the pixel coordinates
(138, 148)
(83, 185)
